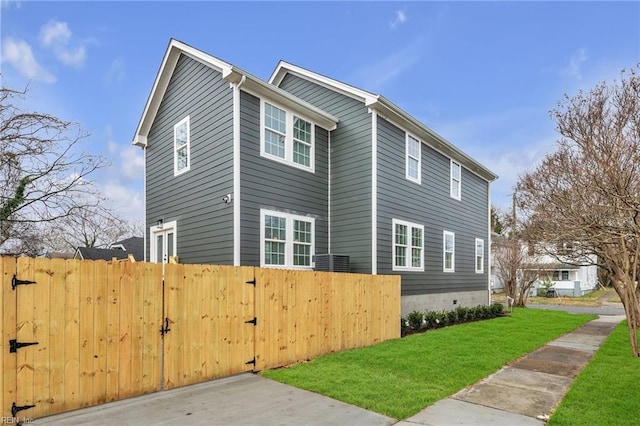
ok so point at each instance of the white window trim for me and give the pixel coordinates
(153, 230)
(186, 121)
(481, 270)
(445, 234)
(288, 257)
(408, 156)
(409, 266)
(455, 182)
(289, 140)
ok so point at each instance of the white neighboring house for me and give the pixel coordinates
(567, 279)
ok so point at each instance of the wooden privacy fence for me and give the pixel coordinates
(80, 333)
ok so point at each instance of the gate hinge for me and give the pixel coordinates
(254, 321)
(165, 329)
(15, 409)
(252, 282)
(15, 282)
(253, 361)
(14, 345)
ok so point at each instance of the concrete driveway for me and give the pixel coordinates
(245, 399)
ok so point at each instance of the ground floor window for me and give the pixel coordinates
(560, 276)
(449, 251)
(479, 256)
(287, 240)
(408, 246)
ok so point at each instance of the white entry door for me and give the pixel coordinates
(163, 242)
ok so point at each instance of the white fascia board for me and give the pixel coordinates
(262, 89)
(174, 50)
(353, 92)
(389, 111)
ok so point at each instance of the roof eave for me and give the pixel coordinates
(390, 111)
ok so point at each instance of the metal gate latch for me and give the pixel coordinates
(14, 345)
(164, 330)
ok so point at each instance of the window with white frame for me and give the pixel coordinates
(414, 159)
(181, 146)
(479, 255)
(286, 137)
(456, 180)
(286, 240)
(449, 251)
(408, 246)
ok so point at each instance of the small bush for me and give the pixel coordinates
(452, 317)
(462, 313)
(404, 325)
(415, 320)
(497, 309)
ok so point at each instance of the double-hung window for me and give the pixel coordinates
(456, 180)
(287, 240)
(286, 137)
(181, 146)
(449, 251)
(414, 159)
(479, 256)
(408, 246)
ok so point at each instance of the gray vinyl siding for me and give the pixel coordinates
(268, 184)
(194, 198)
(429, 204)
(350, 170)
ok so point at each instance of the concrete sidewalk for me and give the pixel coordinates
(521, 393)
(525, 391)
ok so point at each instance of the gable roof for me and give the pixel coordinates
(92, 253)
(389, 111)
(132, 245)
(230, 73)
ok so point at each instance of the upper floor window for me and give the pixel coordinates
(286, 137)
(287, 240)
(181, 146)
(413, 161)
(456, 179)
(408, 246)
(479, 255)
(449, 251)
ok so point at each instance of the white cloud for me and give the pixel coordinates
(19, 54)
(10, 3)
(57, 36)
(116, 71)
(574, 68)
(374, 76)
(125, 200)
(128, 159)
(401, 18)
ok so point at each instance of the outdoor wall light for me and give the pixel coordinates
(226, 199)
(160, 223)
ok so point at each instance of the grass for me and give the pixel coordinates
(606, 391)
(590, 300)
(400, 377)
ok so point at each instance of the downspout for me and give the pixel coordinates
(236, 170)
(489, 241)
(374, 192)
(144, 204)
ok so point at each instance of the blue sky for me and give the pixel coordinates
(482, 74)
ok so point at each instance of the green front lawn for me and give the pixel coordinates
(606, 391)
(400, 377)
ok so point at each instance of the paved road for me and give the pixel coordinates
(613, 309)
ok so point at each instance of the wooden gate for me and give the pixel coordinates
(85, 333)
(209, 311)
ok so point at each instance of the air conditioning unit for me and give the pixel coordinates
(332, 262)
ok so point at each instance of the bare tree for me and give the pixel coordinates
(587, 193)
(514, 267)
(90, 226)
(43, 174)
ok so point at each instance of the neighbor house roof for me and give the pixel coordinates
(119, 250)
(230, 73)
(390, 112)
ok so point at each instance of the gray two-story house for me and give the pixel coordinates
(240, 171)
